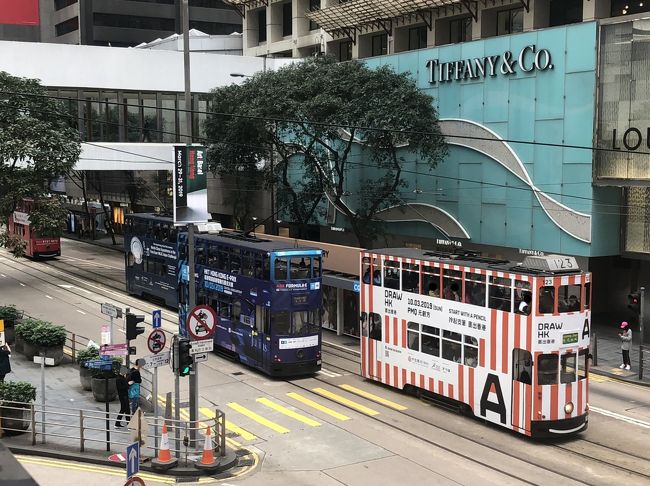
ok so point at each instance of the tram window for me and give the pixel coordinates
(266, 267)
(315, 318)
(475, 289)
(413, 336)
(300, 322)
(546, 300)
(499, 293)
(587, 297)
(365, 269)
(224, 308)
(583, 365)
(363, 323)
(375, 327)
(281, 322)
(411, 277)
(235, 261)
(430, 281)
(452, 281)
(430, 344)
(236, 310)
(569, 298)
(470, 351)
(213, 255)
(247, 263)
(260, 318)
(201, 298)
(318, 267)
(523, 297)
(451, 346)
(131, 260)
(281, 269)
(391, 275)
(568, 368)
(300, 267)
(201, 258)
(547, 369)
(222, 259)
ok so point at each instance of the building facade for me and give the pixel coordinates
(20, 20)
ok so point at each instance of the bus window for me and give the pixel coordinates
(499, 292)
(470, 351)
(451, 284)
(587, 298)
(411, 277)
(475, 289)
(546, 300)
(299, 267)
(281, 322)
(391, 275)
(569, 298)
(523, 297)
(430, 281)
(547, 368)
(583, 364)
(430, 340)
(281, 269)
(235, 261)
(317, 273)
(413, 336)
(375, 327)
(568, 368)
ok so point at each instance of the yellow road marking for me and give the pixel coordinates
(349, 403)
(289, 413)
(244, 434)
(318, 406)
(258, 418)
(372, 397)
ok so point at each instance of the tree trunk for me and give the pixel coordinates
(107, 216)
(82, 178)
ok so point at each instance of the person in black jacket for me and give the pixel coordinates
(122, 385)
(135, 379)
(5, 366)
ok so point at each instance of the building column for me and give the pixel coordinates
(537, 16)
(596, 9)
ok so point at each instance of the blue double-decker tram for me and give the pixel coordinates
(267, 296)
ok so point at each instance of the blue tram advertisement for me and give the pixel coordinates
(267, 296)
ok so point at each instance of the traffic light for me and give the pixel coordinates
(132, 329)
(185, 359)
(634, 302)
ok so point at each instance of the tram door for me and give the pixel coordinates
(522, 388)
(260, 339)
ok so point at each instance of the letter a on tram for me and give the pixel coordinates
(492, 385)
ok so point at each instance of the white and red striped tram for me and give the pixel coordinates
(509, 340)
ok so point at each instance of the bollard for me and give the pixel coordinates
(33, 417)
(641, 351)
(81, 430)
(595, 348)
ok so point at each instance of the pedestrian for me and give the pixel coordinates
(626, 340)
(5, 366)
(134, 385)
(122, 385)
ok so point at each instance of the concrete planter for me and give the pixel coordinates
(10, 334)
(19, 345)
(85, 378)
(15, 418)
(98, 386)
(54, 352)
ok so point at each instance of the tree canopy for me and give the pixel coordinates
(338, 131)
(37, 145)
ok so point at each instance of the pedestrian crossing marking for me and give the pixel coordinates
(318, 406)
(372, 397)
(258, 418)
(344, 401)
(244, 434)
(289, 413)
(329, 373)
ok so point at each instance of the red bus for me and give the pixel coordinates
(35, 246)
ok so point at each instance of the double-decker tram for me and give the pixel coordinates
(36, 246)
(267, 296)
(507, 341)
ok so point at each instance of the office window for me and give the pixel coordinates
(261, 25)
(564, 12)
(59, 4)
(417, 37)
(67, 26)
(345, 51)
(510, 21)
(286, 19)
(379, 44)
(460, 30)
(205, 3)
(313, 6)
(133, 22)
(625, 7)
(215, 28)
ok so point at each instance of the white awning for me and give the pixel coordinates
(126, 156)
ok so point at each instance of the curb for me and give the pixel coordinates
(229, 462)
(624, 379)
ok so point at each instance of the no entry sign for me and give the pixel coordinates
(156, 341)
(201, 321)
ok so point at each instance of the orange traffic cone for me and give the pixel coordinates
(164, 460)
(207, 459)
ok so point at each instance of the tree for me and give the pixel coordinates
(338, 130)
(36, 146)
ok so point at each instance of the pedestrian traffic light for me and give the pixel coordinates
(185, 359)
(132, 329)
(634, 302)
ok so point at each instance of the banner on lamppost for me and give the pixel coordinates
(190, 185)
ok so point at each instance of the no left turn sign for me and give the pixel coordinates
(201, 321)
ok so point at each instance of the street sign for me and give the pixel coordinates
(132, 459)
(106, 335)
(156, 360)
(202, 346)
(111, 310)
(156, 341)
(201, 321)
(48, 361)
(98, 364)
(134, 481)
(114, 350)
(200, 357)
(156, 318)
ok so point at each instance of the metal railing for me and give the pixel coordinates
(85, 428)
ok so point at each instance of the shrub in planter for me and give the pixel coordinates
(98, 382)
(15, 397)
(45, 337)
(23, 332)
(10, 315)
(85, 374)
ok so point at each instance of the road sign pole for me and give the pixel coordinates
(177, 401)
(112, 337)
(194, 377)
(155, 411)
(42, 397)
(108, 416)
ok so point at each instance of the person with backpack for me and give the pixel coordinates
(122, 385)
(135, 379)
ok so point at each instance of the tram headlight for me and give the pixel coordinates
(568, 408)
